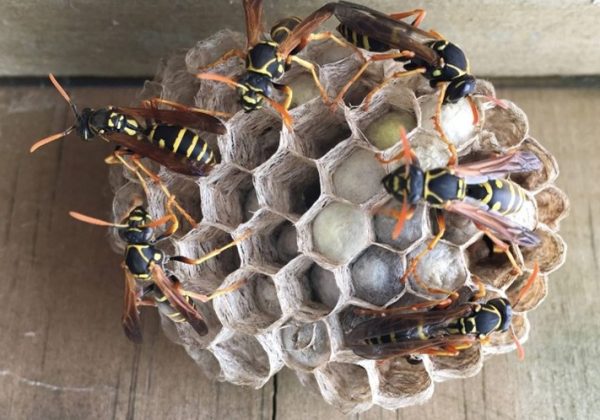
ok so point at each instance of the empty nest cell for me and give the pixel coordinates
(344, 385)
(289, 184)
(357, 177)
(305, 346)
(319, 131)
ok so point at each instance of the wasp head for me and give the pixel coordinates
(83, 124)
(253, 90)
(459, 88)
(406, 182)
(136, 231)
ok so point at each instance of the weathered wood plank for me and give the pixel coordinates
(128, 38)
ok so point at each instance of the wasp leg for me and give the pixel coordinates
(378, 57)
(481, 292)
(397, 75)
(500, 246)
(168, 218)
(155, 102)
(229, 54)
(441, 221)
(329, 35)
(447, 350)
(437, 303)
(419, 13)
(117, 158)
(288, 92)
(154, 177)
(435, 34)
(473, 109)
(146, 302)
(437, 122)
(219, 292)
(311, 67)
(211, 254)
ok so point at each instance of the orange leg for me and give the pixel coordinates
(500, 246)
(379, 57)
(437, 122)
(481, 292)
(213, 253)
(419, 13)
(474, 110)
(397, 75)
(229, 54)
(219, 292)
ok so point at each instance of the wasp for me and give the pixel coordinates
(146, 280)
(436, 328)
(165, 136)
(267, 60)
(443, 63)
(474, 190)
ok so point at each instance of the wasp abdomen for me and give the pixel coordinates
(361, 40)
(282, 29)
(502, 196)
(182, 141)
(262, 59)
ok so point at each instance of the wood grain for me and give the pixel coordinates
(63, 354)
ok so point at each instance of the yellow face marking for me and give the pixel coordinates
(130, 131)
(110, 122)
(249, 99)
(190, 149)
(161, 144)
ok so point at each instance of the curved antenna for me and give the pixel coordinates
(63, 93)
(93, 221)
(528, 284)
(520, 349)
(51, 138)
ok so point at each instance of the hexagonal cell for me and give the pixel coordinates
(288, 184)
(400, 383)
(509, 124)
(304, 88)
(537, 179)
(199, 242)
(187, 194)
(383, 132)
(304, 346)
(208, 364)
(466, 364)
(339, 231)
(456, 119)
(412, 232)
(250, 204)
(185, 333)
(252, 308)
(492, 267)
(254, 142)
(376, 275)
(310, 291)
(344, 386)
(318, 131)
(223, 195)
(272, 244)
(533, 297)
(441, 268)
(459, 229)
(357, 177)
(243, 360)
(553, 206)
(551, 252)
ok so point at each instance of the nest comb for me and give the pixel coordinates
(318, 250)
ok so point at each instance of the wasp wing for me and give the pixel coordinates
(253, 14)
(505, 228)
(179, 303)
(496, 167)
(131, 316)
(411, 347)
(190, 119)
(141, 146)
(381, 27)
(305, 28)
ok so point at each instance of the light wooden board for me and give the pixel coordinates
(62, 352)
(128, 37)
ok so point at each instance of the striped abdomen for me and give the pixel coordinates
(362, 41)
(167, 309)
(417, 332)
(502, 196)
(182, 141)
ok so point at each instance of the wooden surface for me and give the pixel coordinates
(63, 354)
(129, 37)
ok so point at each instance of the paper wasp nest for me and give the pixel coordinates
(317, 248)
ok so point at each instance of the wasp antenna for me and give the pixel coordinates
(60, 89)
(407, 152)
(50, 139)
(520, 349)
(529, 283)
(94, 221)
(401, 219)
(219, 78)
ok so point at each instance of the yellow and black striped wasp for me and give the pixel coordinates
(165, 136)
(474, 190)
(267, 60)
(443, 63)
(146, 281)
(436, 328)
